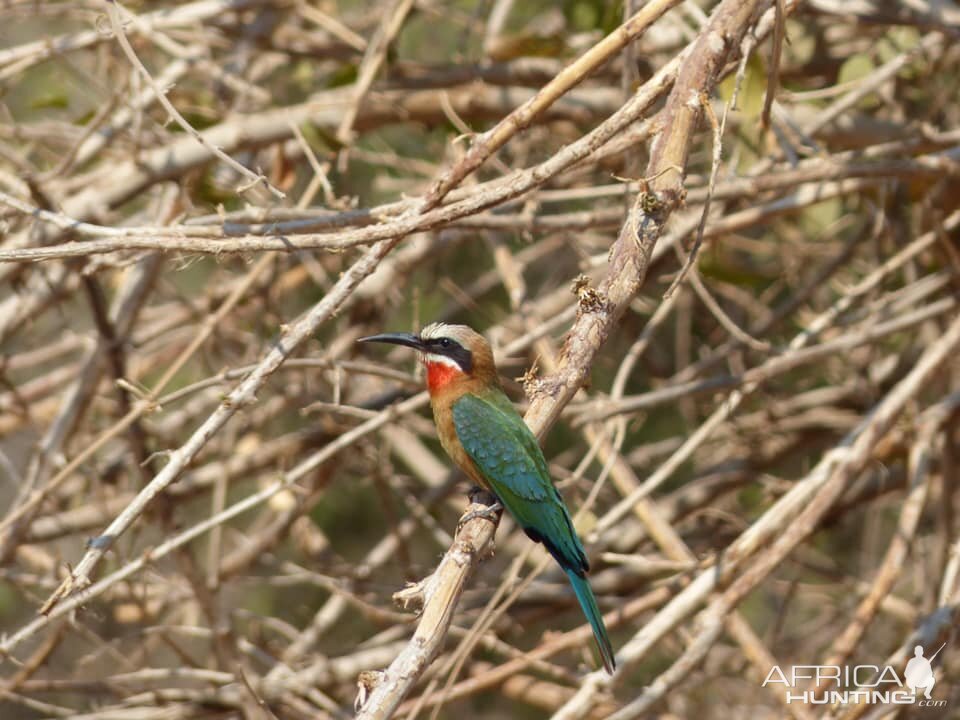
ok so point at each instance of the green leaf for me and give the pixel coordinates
(752, 89)
(856, 67)
(50, 101)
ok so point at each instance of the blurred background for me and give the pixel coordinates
(825, 274)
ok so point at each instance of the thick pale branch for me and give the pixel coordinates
(440, 594)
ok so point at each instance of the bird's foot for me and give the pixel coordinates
(481, 496)
(491, 513)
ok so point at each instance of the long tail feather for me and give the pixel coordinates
(581, 586)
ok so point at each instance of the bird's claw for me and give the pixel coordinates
(491, 513)
(481, 496)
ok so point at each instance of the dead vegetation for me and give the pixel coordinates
(714, 244)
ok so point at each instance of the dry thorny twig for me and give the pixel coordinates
(212, 497)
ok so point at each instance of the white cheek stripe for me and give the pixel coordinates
(442, 360)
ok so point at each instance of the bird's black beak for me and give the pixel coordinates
(405, 339)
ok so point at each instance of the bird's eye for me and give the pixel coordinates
(445, 342)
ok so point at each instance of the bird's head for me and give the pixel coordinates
(450, 353)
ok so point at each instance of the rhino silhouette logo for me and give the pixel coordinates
(919, 673)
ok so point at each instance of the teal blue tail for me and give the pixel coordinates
(581, 586)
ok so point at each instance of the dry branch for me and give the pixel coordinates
(213, 498)
(439, 594)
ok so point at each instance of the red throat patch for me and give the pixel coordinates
(439, 375)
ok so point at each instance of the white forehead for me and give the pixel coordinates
(439, 330)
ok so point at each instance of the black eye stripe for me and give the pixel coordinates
(453, 350)
(444, 344)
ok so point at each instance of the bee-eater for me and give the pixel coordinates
(486, 437)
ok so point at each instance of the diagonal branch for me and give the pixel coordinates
(242, 395)
(630, 255)
(489, 142)
(441, 594)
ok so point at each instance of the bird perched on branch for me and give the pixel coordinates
(486, 437)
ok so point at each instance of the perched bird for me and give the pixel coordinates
(486, 437)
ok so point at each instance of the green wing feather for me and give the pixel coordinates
(509, 458)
